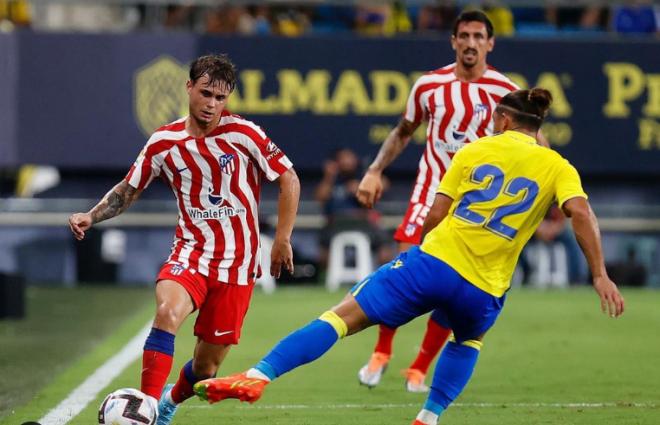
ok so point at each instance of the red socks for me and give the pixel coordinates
(385, 338)
(183, 389)
(156, 368)
(434, 339)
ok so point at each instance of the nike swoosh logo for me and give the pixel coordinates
(182, 169)
(222, 333)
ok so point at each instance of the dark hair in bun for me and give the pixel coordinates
(528, 107)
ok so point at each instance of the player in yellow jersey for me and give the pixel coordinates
(487, 206)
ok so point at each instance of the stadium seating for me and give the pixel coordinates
(338, 270)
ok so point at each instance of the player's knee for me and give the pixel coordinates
(168, 317)
(336, 322)
(472, 343)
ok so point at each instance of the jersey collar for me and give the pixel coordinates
(520, 137)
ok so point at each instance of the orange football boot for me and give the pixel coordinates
(235, 386)
(415, 381)
(371, 373)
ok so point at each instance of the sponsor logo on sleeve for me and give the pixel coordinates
(272, 150)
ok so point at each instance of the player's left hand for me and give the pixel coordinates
(370, 189)
(611, 300)
(281, 255)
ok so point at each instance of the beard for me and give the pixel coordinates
(467, 63)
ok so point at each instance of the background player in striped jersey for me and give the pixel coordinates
(214, 162)
(488, 205)
(457, 101)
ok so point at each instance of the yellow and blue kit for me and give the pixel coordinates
(502, 186)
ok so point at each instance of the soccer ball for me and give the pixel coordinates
(128, 407)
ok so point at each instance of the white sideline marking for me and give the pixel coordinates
(398, 406)
(86, 392)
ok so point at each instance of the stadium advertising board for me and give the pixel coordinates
(314, 95)
(8, 83)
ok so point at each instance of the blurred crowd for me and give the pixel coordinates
(378, 18)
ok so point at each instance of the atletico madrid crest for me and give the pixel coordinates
(411, 228)
(177, 269)
(227, 165)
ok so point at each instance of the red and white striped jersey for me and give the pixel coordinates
(458, 113)
(216, 182)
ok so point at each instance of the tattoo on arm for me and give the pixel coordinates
(115, 202)
(395, 142)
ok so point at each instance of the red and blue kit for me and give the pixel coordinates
(458, 113)
(216, 181)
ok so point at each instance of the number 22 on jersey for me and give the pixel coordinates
(497, 186)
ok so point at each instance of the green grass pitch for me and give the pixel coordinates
(552, 358)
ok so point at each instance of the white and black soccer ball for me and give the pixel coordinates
(128, 406)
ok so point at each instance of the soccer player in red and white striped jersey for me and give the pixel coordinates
(458, 101)
(458, 112)
(214, 163)
(216, 182)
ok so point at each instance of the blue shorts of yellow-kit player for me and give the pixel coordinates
(415, 283)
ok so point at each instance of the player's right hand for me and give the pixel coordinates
(611, 300)
(370, 189)
(79, 222)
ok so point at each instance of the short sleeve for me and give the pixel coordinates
(270, 158)
(148, 164)
(415, 108)
(452, 178)
(567, 184)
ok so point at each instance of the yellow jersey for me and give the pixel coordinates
(502, 187)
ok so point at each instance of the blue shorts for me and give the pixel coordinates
(415, 283)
